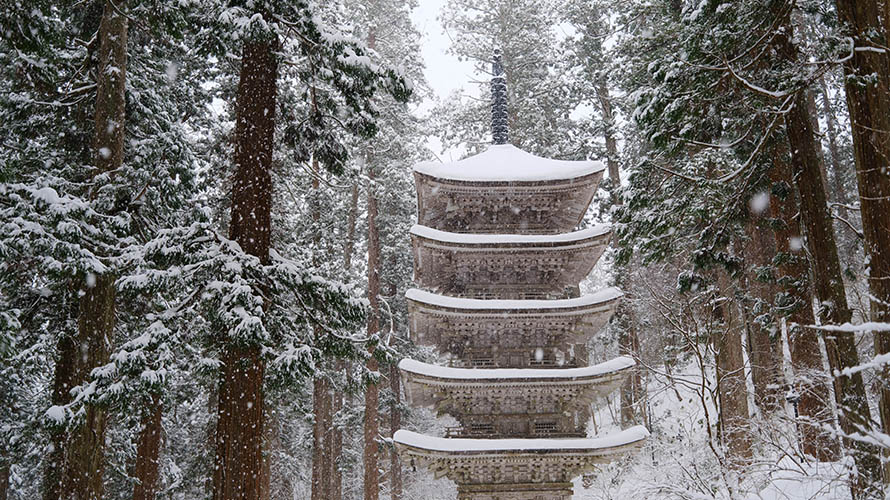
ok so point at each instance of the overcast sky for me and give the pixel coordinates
(444, 73)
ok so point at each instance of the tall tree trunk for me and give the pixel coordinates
(813, 115)
(321, 395)
(632, 391)
(830, 294)
(731, 384)
(336, 449)
(85, 453)
(270, 438)
(239, 436)
(395, 423)
(146, 470)
(4, 474)
(831, 132)
(867, 85)
(371, 426)
(349, 247)
(795, 306)
(605, 102)
(63, 378)
(828, 283)
(336, 442)
(320, 429)
(765, 355)
(77, 469)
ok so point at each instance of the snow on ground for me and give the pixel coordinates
(817, 481)
(679, 462)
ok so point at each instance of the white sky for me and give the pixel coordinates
(444, 72)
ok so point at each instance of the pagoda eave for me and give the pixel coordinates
(595, 302)
(485, 461)
(439, 387)
(530, 206)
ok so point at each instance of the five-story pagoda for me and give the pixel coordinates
(498, 265)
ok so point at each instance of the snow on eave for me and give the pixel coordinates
(868, 326)
(529, 374)
(494, 239)
(594, 299)
(507, 163)
(620, 439)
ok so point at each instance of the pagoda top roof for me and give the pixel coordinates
(445, 301)
(525, 374)
(498, 239)
(507, 163)
(620, 439)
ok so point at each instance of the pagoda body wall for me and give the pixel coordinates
(510, 338)
(507, 270)
(504, 207)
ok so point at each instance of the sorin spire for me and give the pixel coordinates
(498, 101)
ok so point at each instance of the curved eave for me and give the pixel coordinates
(581, 180)
(429, 374)
(586, 237)
(466, 306)
(431, 447)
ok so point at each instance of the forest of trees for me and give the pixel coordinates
(204, 216)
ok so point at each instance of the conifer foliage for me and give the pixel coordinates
(204, 210)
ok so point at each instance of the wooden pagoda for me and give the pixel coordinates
(498, 261)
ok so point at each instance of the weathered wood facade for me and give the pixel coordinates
(498, 265)
(473, 333)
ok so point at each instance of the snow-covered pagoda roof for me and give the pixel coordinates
(460, 375)
(507, 163)
(510, 239)
(615, 442)
(441, 387)
(443, 301)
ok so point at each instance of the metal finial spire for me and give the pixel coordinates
(498, 100)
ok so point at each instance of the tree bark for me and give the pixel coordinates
(831, 132)
(395, 423)
(349, 247)
(795, 305)
(371, 426)
(731, 384)
(830, 294)
(813, 115)
(321, 395)
(867, 85)
(4, 475)
(605, 101)
(146, 470)
(85, 448)
(63, 379)
(335, 445)
(320, 466)
(765, 355)
(828, 285)
(239, 437)
(77, 463)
